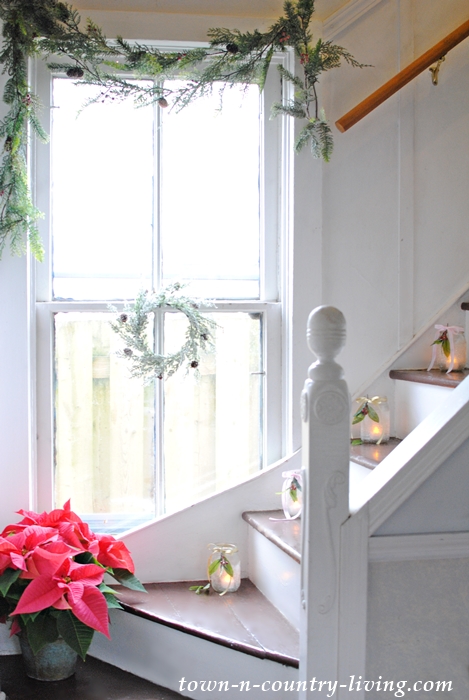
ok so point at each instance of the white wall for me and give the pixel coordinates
(395, 244)
(418, 616)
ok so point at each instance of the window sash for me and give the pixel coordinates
(273, 216)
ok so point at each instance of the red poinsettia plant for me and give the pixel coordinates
(51, 578)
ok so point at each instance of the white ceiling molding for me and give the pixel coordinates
(344, 17)
(446, 545)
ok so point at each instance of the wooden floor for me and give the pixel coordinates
(94, 680)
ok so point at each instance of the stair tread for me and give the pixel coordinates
(434, 377)
(93, 679)
(286, 534)
(245, 620)
(370, 455)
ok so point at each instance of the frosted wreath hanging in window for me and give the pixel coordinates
(45, 28)
(132, 326)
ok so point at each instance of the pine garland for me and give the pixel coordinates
(41, 28)
(132, 327)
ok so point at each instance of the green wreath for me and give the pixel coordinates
(131, 325)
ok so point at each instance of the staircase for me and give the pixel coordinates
(252, 638)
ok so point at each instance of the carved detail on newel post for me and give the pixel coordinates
(325, 412)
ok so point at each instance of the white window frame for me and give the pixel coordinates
(274, 302)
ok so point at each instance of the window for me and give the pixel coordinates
(139, 198)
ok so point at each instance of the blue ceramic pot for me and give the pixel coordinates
(54, 662)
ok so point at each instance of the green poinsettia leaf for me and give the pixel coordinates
(225, 564)
(112, 601)
(372, 414)
(445, 346)
(7, 579)
(125, 578)
(356, 441)
(200, 589)
(77, 635)
(86, 558)
(214, 566)
(41, 631)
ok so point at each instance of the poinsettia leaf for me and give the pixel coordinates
(75, 633)
(91, 608)
(214, 566)
(41, 631)
(7, 579)
(104, 588)
(41, 593)
(112, 601)
(445, 346)
(372, 414)
(125, 578)
(200, 589)
(228, 568)
(85, 558)
(356, 441)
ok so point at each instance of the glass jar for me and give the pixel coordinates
(292, 494)
(373, 431)
(224, 568)
(459, 362)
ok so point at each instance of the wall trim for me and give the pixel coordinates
(442, 545)
(344, 17)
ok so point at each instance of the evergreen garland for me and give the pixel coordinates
(45, 28)
(132, 327)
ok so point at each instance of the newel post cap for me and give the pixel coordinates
(326, 331)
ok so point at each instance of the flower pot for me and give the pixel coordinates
(54, 662)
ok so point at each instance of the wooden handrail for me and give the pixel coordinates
(405, 76)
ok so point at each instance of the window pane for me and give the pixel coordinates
(102, 195)
(104, 425)
(213, 422)
(210, 194)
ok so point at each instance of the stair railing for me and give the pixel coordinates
(325, 411)
(405, 76)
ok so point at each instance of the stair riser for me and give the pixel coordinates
(414, 402)
(276, 575)
(164, 656)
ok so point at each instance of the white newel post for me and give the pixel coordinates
(325, 412)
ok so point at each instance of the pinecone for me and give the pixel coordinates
(75, 72)
(232, 48)
(163, 102)
(128, 352)
(123, 318)
(194, 364)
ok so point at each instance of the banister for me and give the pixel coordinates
(403, 77)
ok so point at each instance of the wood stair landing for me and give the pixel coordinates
(244, 621)
(434, 377)
(370, 455)
(93, 680)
